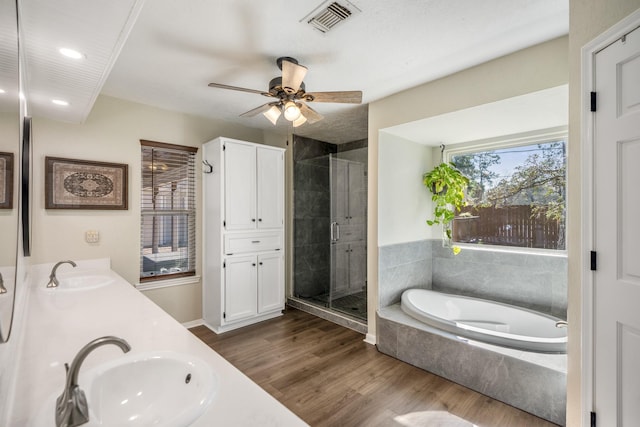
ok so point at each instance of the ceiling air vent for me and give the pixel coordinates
(329, 14)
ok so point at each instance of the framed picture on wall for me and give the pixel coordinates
(6, 180)
(85, 184)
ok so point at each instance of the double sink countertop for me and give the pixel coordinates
(59, 322)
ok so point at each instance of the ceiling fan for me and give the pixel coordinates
(290, 96)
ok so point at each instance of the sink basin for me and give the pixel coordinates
(79, 280)
(151, 389)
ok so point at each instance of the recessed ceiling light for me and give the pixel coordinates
(2, 90)
(60, 102)
(70, 53)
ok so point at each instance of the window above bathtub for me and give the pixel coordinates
(517, 193)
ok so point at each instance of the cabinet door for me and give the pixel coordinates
(270, 170)
(339, 191)
(340, 273)
(240, 292)
(357, 197)
(270, 282)
(239, 186)
(357, 267)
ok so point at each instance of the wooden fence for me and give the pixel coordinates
(508, 226)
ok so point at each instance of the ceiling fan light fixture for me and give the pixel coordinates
(292, 75)
(273, 114)
(299, 121)
(291, 111)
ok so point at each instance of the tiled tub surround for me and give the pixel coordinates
(533, 382)
(531, 280)
(530, 381)
(403, 266)
(58, 323)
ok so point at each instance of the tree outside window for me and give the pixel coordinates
(517, 196)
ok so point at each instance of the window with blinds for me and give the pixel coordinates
(168, 211)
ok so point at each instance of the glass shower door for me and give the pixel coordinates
(329, 248)
(338, 175)
(348, 248)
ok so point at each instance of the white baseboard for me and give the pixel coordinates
(370, 339)
(193, 323)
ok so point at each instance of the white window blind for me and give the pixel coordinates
(168, 211)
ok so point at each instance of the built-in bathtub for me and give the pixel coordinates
(486, 321)
(530, 380)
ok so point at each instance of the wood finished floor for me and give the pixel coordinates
(328, 376)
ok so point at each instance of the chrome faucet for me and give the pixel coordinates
(561, 324)
(3, 290)
(71, 406)
(53, 280)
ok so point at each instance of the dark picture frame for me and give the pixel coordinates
(85, 184)
(6, 180)
(25, 189)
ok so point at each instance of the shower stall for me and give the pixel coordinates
(330, 218)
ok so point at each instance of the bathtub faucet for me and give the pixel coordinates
(561, 324)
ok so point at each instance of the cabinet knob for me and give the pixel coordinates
(253, 220)
(253, 264)
(259, 219)
(260, 263)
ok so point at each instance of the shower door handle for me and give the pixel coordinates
(337, 231)
(332, 230)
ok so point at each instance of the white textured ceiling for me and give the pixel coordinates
(8, 58)
(96, 28)
(177, 47)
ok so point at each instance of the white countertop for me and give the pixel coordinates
(58, 323)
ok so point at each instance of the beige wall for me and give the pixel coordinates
(112, 133)
(588, 19)
(400, 185)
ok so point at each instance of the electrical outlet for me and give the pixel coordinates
(92, 236)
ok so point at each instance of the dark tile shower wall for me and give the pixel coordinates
(353, 145)
(312, 204)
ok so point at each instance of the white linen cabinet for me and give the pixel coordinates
(243, 226)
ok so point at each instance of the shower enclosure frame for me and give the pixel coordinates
(329, 250)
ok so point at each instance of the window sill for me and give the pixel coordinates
(158, 284)
(512, 249)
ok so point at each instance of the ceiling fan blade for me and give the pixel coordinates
(345, 97)
(257, 110)
(241, 89)
(311, 114)
(292, 76)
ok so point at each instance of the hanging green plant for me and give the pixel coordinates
(448, 185)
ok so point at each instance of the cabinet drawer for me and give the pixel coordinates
(254, 242)
(350, 233)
